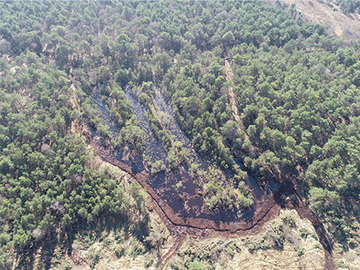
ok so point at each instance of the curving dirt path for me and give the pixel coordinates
(304, 211)
(179, 226)
(261, 215)
(172, 251)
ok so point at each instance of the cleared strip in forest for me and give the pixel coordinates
(154, 148)
(175, 129)
(104, 114)
(231, 96)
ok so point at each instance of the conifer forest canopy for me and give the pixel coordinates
(220, 103)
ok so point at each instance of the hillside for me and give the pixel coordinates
(337, 18)
(146, 134)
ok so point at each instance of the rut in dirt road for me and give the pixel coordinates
(172, 251)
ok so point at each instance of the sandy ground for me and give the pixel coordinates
(336, 22)
(242, 258)
(311, 256)
(231, 96)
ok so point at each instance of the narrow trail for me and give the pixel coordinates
(172, 251)
(231, 96)
(304, 211)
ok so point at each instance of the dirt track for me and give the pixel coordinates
(305, 212)
(231, 96)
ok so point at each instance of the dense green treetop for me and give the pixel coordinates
(295, 89)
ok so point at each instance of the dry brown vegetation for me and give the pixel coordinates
(330, 15)
(300, 249)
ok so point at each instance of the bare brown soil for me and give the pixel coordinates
(194, 223)
(231, 96)
(179, 226)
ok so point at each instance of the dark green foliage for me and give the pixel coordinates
(296, 93)
(48, 180)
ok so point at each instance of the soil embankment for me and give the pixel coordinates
(305, 212)
(180, 226)
(261, 214)
(181, 220)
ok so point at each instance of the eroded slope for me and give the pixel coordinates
(329, 14)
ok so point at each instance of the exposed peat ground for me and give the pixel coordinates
(183, 209)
